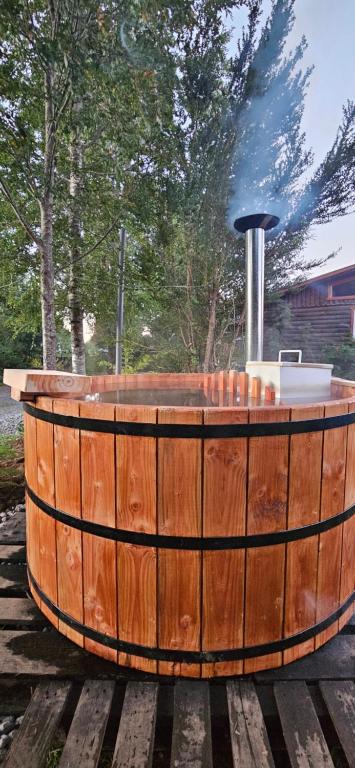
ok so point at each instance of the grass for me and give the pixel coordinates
(11, 469)
(53, 757)
(55, 754)
(11, 456)
(8, 445)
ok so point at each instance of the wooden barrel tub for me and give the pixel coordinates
(192, 540)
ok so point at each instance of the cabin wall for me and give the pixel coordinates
(308, 320)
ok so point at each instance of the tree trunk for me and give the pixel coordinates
(211, 330)
(49, 335)
(237, 329)
(75, 305)
(189, 334)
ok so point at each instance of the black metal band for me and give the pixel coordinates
(190, 657)
(191, 542)
(200, 431)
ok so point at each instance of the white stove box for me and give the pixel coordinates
(293, 380)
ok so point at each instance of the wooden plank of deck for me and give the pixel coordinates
(305, 742)
(249, 739)
(335, 660)
(39, 654)
(191, 742)
(349, 628)
(15, 611)
(135, 738)
(340, 700)
(87, 731)
(13, 553)
(42, 654)
(13, 579)
(30, 745)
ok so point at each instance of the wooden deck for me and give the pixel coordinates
(94, 713)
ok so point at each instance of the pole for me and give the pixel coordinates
(120, 300)
(254, 253)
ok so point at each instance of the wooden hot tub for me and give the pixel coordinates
(194, 539)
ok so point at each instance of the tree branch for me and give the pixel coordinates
(7, 194)
(64, 102)
(98, 242)
(30, 181)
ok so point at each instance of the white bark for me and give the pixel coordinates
(211, 333)
(75, 304)
(46, 248)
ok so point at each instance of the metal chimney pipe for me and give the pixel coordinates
(254, 258)
(254, 229)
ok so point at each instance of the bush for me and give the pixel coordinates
(343, 358)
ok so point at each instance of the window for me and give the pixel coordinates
(342, 289)
(352, 322)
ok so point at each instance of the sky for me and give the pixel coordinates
(329, 27)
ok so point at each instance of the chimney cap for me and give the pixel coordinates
(256, 221)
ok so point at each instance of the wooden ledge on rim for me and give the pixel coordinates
(26, 383)
(220, 387)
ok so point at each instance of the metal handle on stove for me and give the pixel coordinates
(287, 351)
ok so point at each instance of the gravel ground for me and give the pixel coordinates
(10, 412)
(8, 727)
(7, 514)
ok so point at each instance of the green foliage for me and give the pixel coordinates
(174, 134)
(18, 349)
(343, 358)
(244, 150)
(278, 318)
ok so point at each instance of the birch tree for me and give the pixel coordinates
(35, 98)
(74, 296)
(116, 141)
(44, 53)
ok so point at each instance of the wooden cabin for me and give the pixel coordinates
(315, 315)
